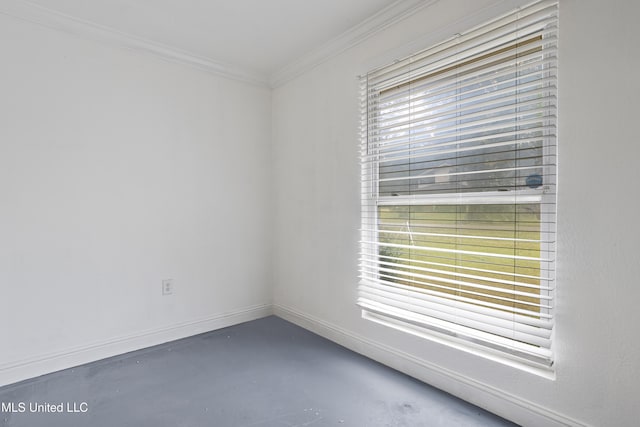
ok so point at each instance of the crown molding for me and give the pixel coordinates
(388, 16)
(396, 12)
(37, 14)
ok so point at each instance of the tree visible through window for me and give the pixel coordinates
(459, 187)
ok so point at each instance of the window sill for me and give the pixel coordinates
(463, 345)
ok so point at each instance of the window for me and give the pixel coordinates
(459, 190)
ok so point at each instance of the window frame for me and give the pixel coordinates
(372, 201)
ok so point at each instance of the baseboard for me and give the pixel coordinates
(509, 406)
(13, 372)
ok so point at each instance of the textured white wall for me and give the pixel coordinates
(317, 213)
(118, 170)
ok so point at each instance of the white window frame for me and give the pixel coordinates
(371, 201)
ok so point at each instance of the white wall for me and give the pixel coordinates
(317, 218)
(118, 170)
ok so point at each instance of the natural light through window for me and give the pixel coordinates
(459, 189)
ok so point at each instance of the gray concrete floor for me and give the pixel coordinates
(264, 373)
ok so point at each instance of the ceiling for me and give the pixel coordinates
(261, 35)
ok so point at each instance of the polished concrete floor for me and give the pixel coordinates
(263, 373)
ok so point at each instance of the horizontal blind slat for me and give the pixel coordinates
(528, 318)
(374, 264)
(481, 316)
(451, 284)
(507, 303)
(373, 257)
(537, 352)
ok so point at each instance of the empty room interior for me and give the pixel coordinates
(340, 212)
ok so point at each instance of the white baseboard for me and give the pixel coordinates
(13, 372)
(511, 407)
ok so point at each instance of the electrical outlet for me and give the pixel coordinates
(167, 287)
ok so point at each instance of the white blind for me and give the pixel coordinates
(459, 187)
